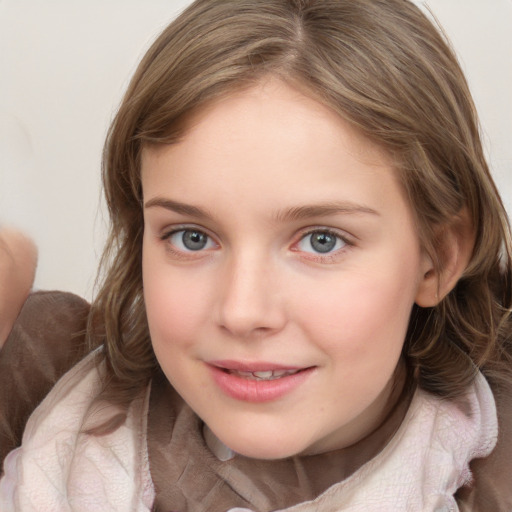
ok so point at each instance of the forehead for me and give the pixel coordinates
(269, 139)
(271, 103)
(270, 99)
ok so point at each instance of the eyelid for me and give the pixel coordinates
(347, 239)
(170, 231)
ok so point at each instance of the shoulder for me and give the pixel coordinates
(51, 324)
(63, 410)
(48, 442)
(47, 339)
(492, 476)
(59, 464)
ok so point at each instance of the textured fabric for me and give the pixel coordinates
(46, 341)
(190, 476)
(425, 462)
(491, 489)
(60, 468)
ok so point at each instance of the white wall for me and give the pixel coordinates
(63, 67)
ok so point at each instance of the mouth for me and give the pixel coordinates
(258, 382)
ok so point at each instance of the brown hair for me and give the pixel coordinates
(383, 66)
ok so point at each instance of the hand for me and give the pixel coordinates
(18, 259)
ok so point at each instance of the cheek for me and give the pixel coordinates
(364, 316)
(174, 307)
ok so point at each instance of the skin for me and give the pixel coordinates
(261, 169)
(18, 257)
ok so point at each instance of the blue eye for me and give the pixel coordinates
(187, 240)
(321, 242)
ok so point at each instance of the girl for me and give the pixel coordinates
(307, 283)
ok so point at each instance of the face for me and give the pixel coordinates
(280, 266)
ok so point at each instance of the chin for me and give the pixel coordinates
(276, 448)
(266, 453)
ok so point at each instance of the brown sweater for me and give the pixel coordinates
(48, 339)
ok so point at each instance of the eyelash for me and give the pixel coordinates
(327, 257)
(180, 253)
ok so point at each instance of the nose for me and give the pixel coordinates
(251, 299)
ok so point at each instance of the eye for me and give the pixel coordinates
(190, 240)
(321, 242)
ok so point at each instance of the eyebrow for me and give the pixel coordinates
(289, 214)
(323, 210)
(177, 207)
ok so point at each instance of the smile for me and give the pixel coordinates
(257, 383)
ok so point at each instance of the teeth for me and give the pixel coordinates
(281, 373)
(264, 375)
(246, 375)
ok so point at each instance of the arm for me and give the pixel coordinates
(40, 337)
(18, 257)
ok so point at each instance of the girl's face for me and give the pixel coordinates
(280, 265)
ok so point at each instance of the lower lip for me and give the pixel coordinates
(258, 391)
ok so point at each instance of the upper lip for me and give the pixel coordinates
(252, 366)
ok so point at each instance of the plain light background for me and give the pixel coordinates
(64, 66)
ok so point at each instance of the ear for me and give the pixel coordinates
(454, 244)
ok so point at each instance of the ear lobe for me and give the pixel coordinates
(454, 246)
